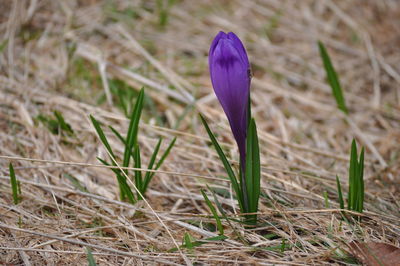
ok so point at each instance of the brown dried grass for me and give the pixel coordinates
(305, 140)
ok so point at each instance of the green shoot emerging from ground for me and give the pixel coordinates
(333, 79)
(16, 190)
(90, 258)
(56, 125)
(132, 151)
(252, 172)
(214, 212)
(355, 198)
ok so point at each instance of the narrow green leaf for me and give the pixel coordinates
(361, 180)
(90, 258)
(14, 184)
(101, 135)
(19, 189)
(203, 241)
(214, 212)
(333, 79)
(75, 182)
(339, 188)
(356, 187)
(119, 136)
(159, 163)
(127, 191)
(63, 125)
(188, 241)
(356, 180)
(253, 172)
(283, 245)
(131, 138)
(325, 194)
(138, 174)
(222, 211)
(124, 188)
(226, 164)
(219, 206)
(165, 154)
(115, 170)
(148, 176)
(214, 238)
(352, 176)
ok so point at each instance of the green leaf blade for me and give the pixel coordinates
(361, 180)
(188, 241)
(253, 170)
(14, 184)
(131, 138)
(138, 173)
(90, 258)
(165, 154)
(333, 79)
(101, 135)
(352, 176)
(117, 134)
(148, 176)
(339, 188)
(226, 164)
(214, 212)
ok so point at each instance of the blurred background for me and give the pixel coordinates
(77, 58)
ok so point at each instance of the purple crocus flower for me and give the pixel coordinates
(230, 77)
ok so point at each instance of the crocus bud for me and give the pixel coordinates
(230, 77)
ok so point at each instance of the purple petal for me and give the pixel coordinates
(219, 36)
(229, 68)
(239, 46)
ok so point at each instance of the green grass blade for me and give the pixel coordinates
(214, 212)
(356, 189)
(283, 245)
(75, 182)
(115, 170)
(148, 175)
(219, 206)
(14, 184)
(90, 258)
(188, 241)
(226, 164)
(124, 189)
(101, 135)
(222, 211)
(63, 125)
(165, 154)
(119, 136)
(202, 242)
(325, 195)
(339, 188)
(333, 79)
(361, 180)
(352, 176)
(159, 163)
(131, 138)
(138, 174)
(127, 191)
(253, 172)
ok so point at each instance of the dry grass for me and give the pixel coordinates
(57, 57)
